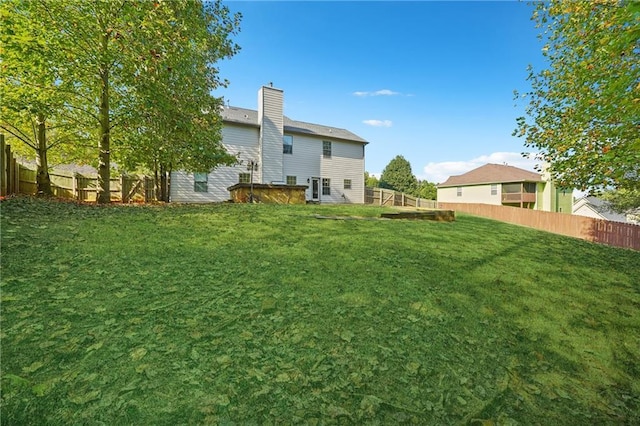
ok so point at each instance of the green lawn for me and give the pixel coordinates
(264, 314)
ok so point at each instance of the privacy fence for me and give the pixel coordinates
(388, 197)
(616, 234)
(16, 178)
(9, 170)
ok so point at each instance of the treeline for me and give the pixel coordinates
(397, 175)
(120, 81)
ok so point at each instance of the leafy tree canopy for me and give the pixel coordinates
(135, 76)
(370, 181)
(398, 176)
(584, 108)
(426, 190)
(623, 200)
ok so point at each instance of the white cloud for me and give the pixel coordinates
(383, 92)
(439, 172)
(378, 123)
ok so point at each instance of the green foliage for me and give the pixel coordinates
(33, 109)
(371, 181)
(623, 200)
(135, 76)
(398, 176)
(583, 109)
(426, 190)
(176, 121)
(262, 314)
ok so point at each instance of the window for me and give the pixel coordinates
(292, 180)
(494, 189)
(530, 187)
(244, 177)
(200, 182)
(326, 148)
(347, 184)
(459, 191)
(326, 186)
(287, 144)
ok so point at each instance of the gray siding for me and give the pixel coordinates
(270, 116)
(346, 162)
(236, 139)
(304, 163)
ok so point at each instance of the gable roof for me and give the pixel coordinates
(492, 173)
(599, 206)
(250, 117)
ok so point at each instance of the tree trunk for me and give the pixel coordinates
(104, 162)
(42, 178)
(163, 183)
(104, 165)
(162, 188)
(156, 183)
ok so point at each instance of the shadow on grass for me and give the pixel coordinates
(260, 314)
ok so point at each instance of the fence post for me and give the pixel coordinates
(15, 176)
(381, 195)
(123, 192)
(74, 186)
(144, 187)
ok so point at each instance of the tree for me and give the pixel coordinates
(398, 176)
(623, 200)
(138, 75)
(177, 124)
(32, 107)
(583, 109)
(426, 190)
(371, 181)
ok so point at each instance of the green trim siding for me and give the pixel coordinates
(539, 195)
(564, 200)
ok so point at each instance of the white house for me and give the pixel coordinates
(329, 160)
(599, 209)
(508, 186)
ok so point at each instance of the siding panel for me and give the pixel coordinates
(346, 162)
(270, 115)
(304, 163)
(236, 139)
(470, 194)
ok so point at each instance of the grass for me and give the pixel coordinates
(264, 314)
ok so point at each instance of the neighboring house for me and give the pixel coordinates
(508, 186)
(599, 209)
(329, 160)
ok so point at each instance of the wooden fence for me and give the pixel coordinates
(616, 234)
(18, 179)
(124, 188)
(388, 197)
(9, 170)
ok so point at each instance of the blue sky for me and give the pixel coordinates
(432, 81)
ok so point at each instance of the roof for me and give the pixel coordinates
(492, 173)
(600, 206)
(250, 117)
